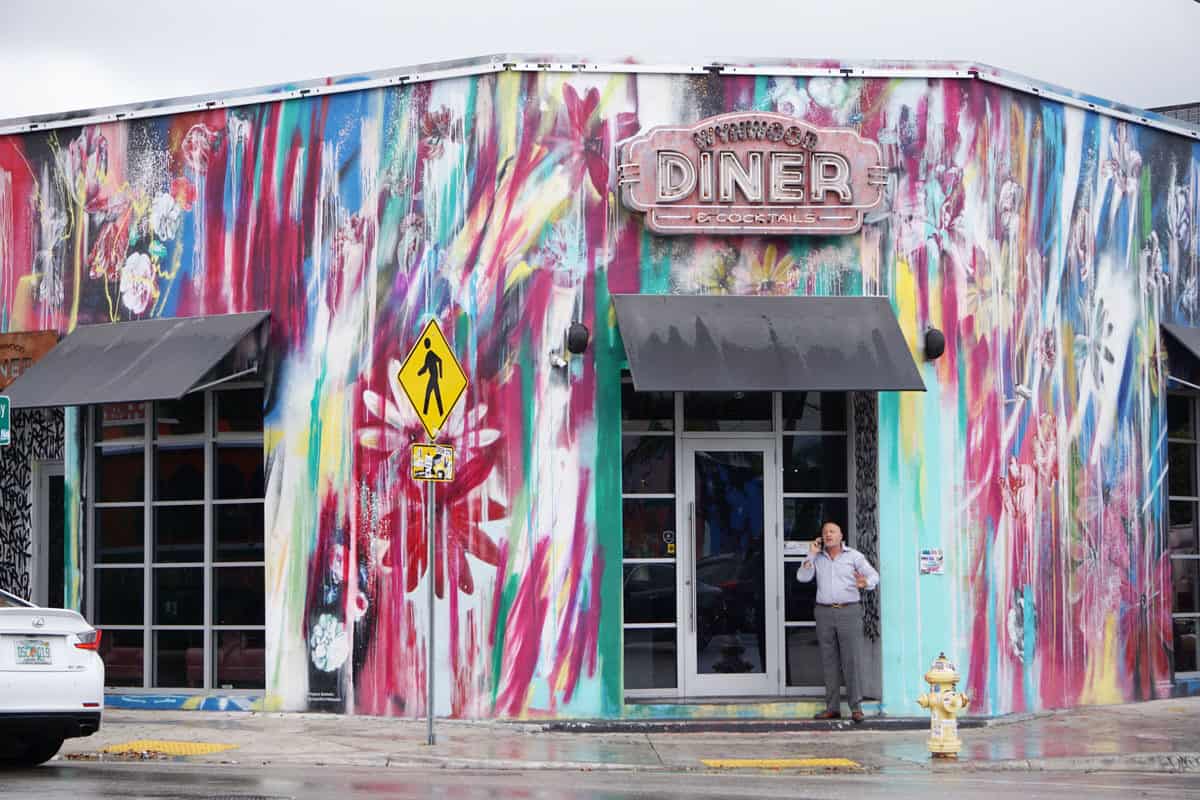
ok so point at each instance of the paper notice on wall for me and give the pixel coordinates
(791, 548)
(932, 562)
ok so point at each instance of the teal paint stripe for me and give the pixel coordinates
(608, 526)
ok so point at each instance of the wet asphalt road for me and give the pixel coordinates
(85, 781)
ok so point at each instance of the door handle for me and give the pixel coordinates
(691, 566)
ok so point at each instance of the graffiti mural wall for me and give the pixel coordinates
(1045, 241)
(36, 435)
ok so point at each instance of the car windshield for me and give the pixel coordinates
(9, 601)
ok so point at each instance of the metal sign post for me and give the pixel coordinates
(434, 382)
(430, 521)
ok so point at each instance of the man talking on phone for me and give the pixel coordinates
(841, 573)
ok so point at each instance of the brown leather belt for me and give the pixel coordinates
(837, 605)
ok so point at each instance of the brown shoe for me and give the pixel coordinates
(827, 715)
(857, 716)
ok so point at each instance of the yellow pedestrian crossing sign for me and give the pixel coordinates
(432, 378)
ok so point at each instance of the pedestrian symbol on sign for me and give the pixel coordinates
(433, 367)
(432, 378)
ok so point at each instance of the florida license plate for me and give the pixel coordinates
(33, 651)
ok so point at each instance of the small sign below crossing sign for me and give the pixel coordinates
(5, 422)
(432, 378)
(432, 462)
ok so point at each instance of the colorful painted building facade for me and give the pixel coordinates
(1047, 236)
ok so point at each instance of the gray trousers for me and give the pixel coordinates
(840, 635)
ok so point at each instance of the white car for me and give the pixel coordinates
(51, 680)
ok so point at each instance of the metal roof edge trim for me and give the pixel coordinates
(486, 65)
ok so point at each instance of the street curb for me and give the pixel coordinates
(735, 725)
(1124, 762)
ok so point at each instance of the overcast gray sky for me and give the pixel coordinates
(57, 55)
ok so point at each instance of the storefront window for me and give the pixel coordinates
(648, 513)
(1183, 541)
(816, 489)
(177, 536)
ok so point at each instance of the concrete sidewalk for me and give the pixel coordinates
(1159, 736)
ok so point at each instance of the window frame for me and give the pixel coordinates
(1193, 405)
(209, 439)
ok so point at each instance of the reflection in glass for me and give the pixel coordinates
(649, 528)
(120, 473)
(120, 421)
(119, 535)
(239, 410)
(118, 596)
(1179, 417)
(814, 464)
(1184, 575)
(1181, 476)
(647, 464)
(799, 598)
(1186, 632)
(646, 411)
(238, 596)
(803, 516)
(238, 533)
(121, 652)
(1181, 536)
(730, 570)
(240, 659)
(727, 411)
(55, 535)
(649, 592)
(814, 411)
(650, 658)
(179, 596)
(182, 417)
(178, 533)
(239, 472)
(179, 659)
(803, 658)
(180, 472)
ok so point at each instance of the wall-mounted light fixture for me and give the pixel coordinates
(575, 342)
(935, 344)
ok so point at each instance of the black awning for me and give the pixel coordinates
(123, 362)
(706, 343)
(1182, 343)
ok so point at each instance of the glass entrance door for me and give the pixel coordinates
(730, 554)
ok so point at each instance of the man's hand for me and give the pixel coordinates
(815, 546)
(860, 580)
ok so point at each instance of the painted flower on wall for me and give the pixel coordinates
(1009, 205)
(329, 646)
(1081, 247)
(839, 96)
(165, 215)
(1179, 213)
(393, 427)
(1124, 163)
(87, 168)
(590, 137)
(1094, 347)
(108, 253)
(437, 128)
(138, 285)
(772, 274)
(199, 143)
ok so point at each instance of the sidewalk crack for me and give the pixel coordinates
(654, 750)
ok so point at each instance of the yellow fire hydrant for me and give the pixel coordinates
(944, 704)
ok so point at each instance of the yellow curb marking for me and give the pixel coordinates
(777, 763)
(169, 748)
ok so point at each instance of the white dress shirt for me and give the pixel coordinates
(835, 576)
